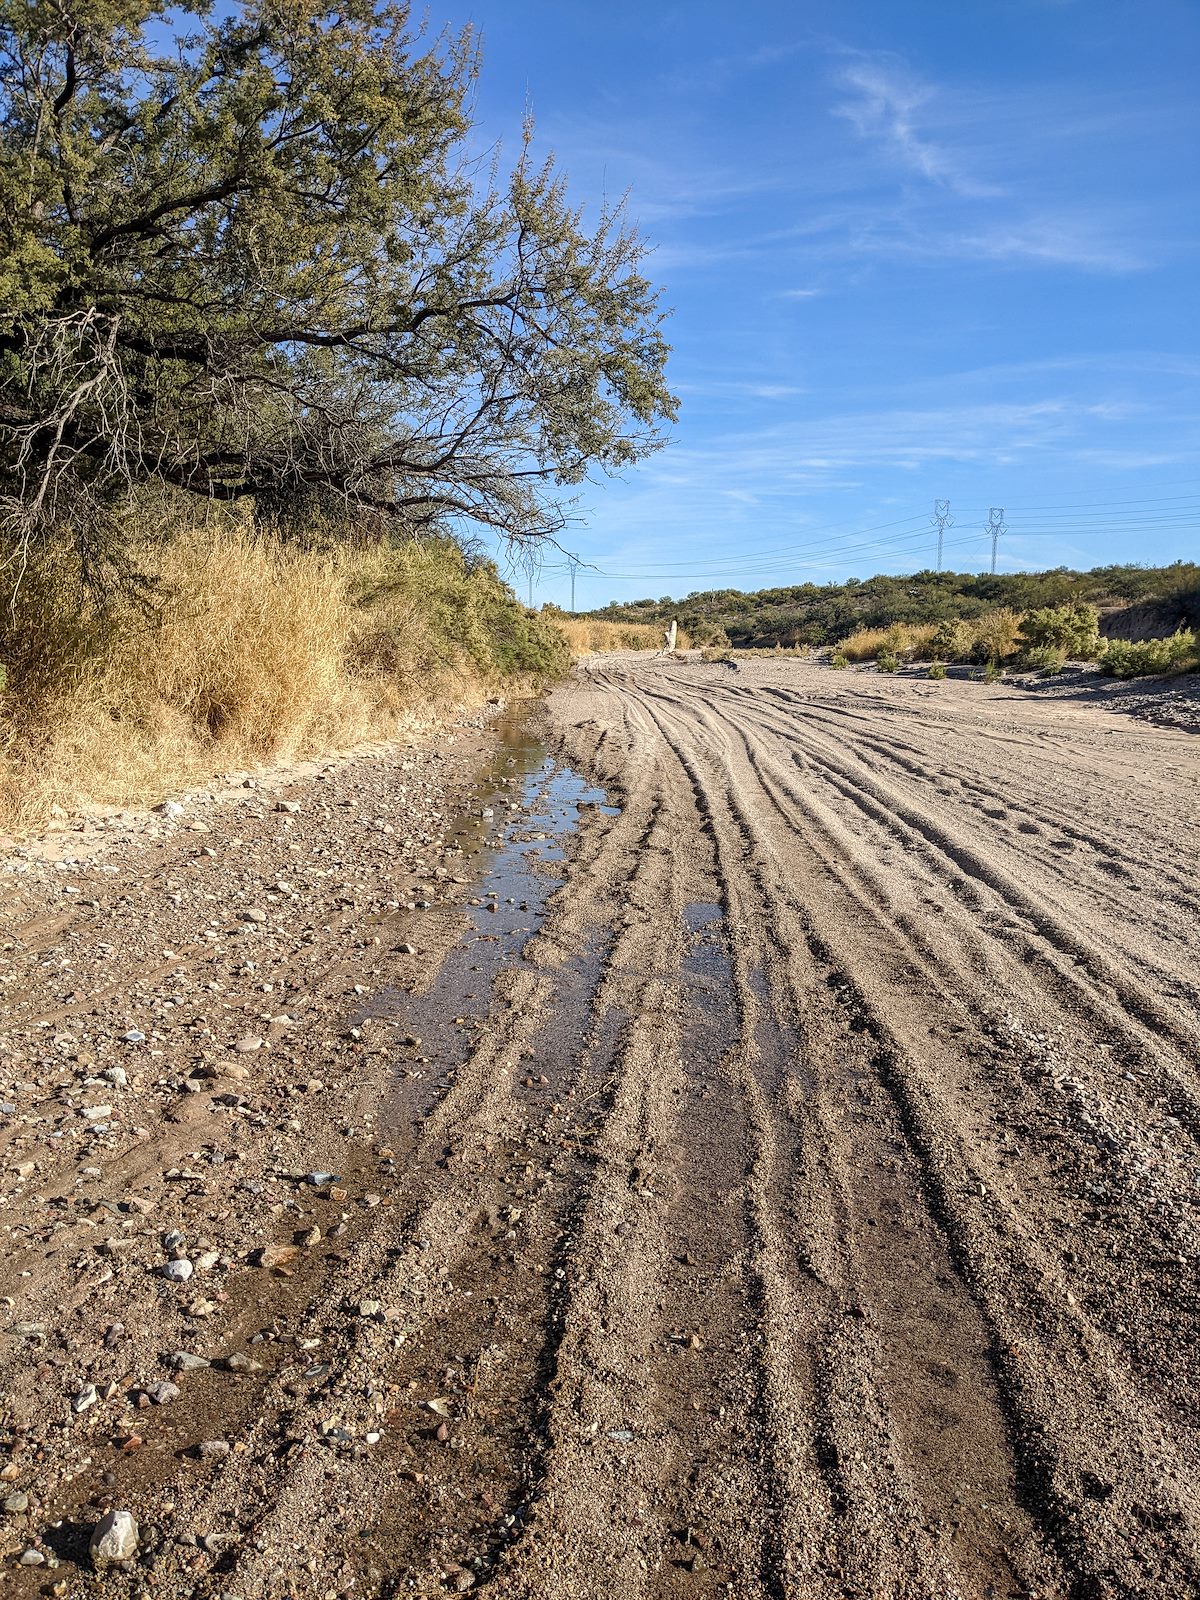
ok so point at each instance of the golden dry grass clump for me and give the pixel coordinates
(994, 636)
(903, 639)
(587, 636)
(243, 649)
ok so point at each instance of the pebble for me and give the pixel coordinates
(241, 1363)
(248, 1042)
(134, 1036)
(114, 1538)
(255, 914)
(32, 1557)
(163, 1393)
(185, 1361)
(86, 1397)
(178, 1271)
(213, 1449)
(318, 1180)
(277, 1256)
(17, 1501)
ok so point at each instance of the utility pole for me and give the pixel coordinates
(941, 520)
(995, 526)
(574, 563)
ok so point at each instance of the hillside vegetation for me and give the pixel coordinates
(824, 614)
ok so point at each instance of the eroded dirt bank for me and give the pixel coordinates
(797, 1199)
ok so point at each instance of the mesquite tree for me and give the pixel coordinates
(258, 256)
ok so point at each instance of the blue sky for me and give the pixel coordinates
(913, 249)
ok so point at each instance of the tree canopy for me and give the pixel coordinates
(260, 255)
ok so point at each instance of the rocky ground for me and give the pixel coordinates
(769, 1172)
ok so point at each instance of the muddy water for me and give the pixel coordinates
(513, 842)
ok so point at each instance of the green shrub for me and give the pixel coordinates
(1048, 658)
(838, 661)
(887, 662)
(1144, 658)
(1074, 630)
(952, 641)
(937, 670)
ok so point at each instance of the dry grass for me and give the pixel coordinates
(994, 636)
(249, 651)
(586, 636)
(906, 640)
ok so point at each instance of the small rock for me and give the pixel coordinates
(278, 1257)
(114, 1539)
(249, 1042)
(241, 1363)
(134, 1036)
(213, 1449)
(185, 1361)
(289, 808)
(161, 1394)
(86, 1397)
(318, 1180)
(178, 1271)
(32, 1557)
(255, 914)
(17, 1501)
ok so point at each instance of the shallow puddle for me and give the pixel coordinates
(513, 839)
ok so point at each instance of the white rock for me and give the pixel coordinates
(114, 1538)
(248, 1042)
(178, 1271)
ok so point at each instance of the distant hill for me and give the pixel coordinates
(818, 614)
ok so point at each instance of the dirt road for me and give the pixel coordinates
(792, 1193)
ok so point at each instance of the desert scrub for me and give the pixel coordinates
(839, 661)
(1047, 658)
(907, 641)
(1144, 658)
(887, 662)
(590, 636)
(952, 641)
(1071, 633)
(937, 670)
(241, 648)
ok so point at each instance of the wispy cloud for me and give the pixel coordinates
(885, 104)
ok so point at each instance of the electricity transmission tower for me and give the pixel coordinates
(574, 563)
(941, 520)
(995, 526)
